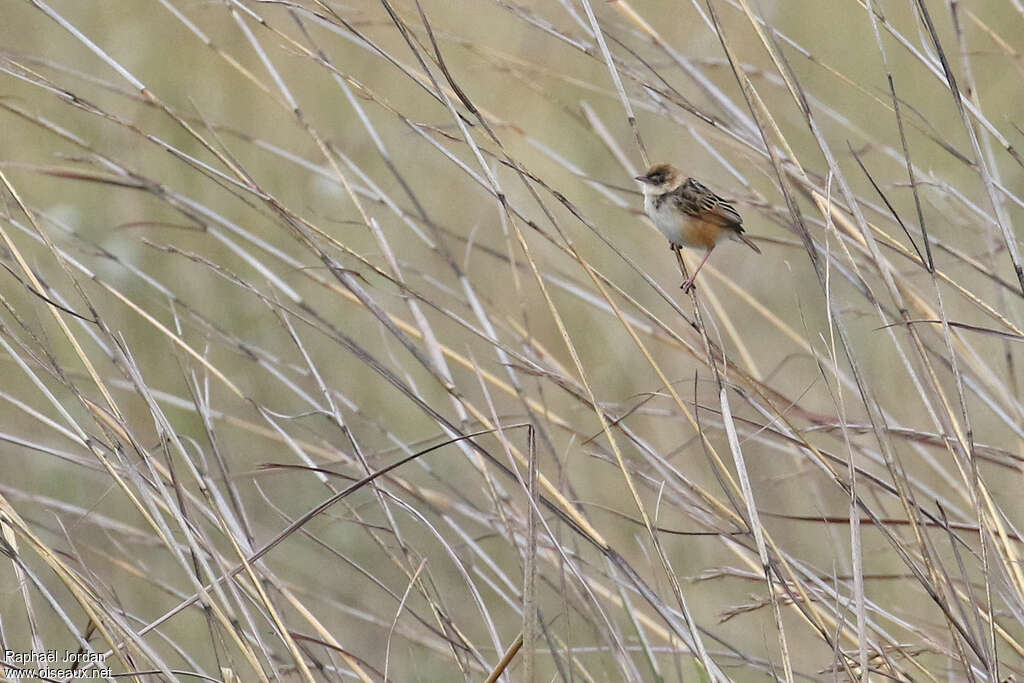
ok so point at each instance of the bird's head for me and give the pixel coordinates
(661, 178)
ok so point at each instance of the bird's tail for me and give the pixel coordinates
(747, 241)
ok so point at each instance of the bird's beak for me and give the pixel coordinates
(643, 179)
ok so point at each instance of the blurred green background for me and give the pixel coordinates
(212, 200)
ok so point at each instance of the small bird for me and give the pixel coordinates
(689, 214)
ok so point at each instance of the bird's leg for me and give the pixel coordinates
(679, 258)
(688, 285)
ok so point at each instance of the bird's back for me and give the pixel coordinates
(695, 199)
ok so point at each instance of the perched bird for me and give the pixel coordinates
(689, 214)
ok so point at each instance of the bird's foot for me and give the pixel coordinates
(688, 286)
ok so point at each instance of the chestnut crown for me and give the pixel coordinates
(661, 176)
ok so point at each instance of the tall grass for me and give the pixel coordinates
(336, 344)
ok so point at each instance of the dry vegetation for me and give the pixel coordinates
(335, 346)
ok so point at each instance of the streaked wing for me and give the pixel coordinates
(694, 199)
